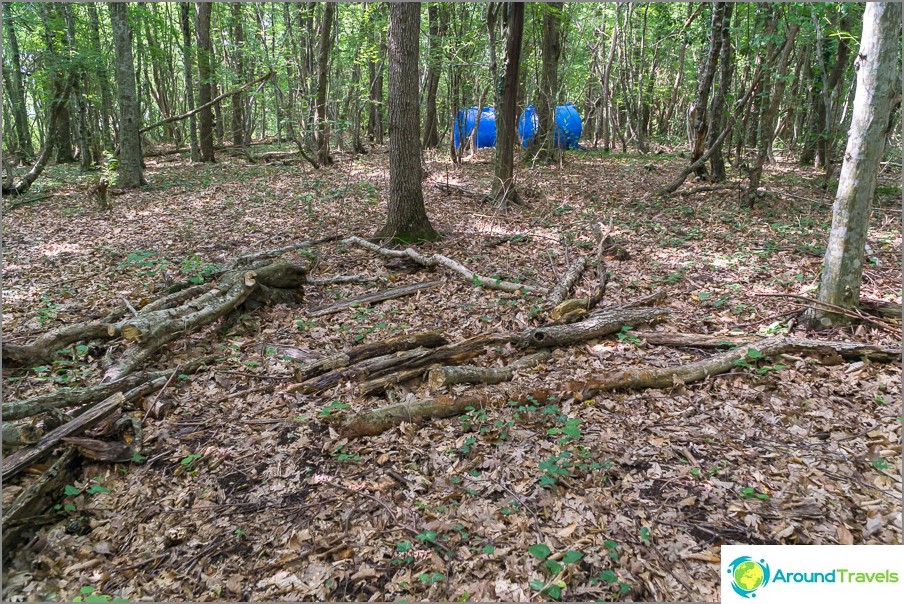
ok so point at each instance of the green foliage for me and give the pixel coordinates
(332, 408)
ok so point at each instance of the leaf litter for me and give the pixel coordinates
(243, 493)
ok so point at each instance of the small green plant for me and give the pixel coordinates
(48, 310)
(332, 408)
(473, 418)
(189, 460)
(880, 463)
(87, 594)
(752, 493)
(626, 337)
(340, 454)
(552, 588)
(431, 578)
(304, 324)
(197, 270)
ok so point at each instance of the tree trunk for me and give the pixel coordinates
(697, 116)
(406, 219)
(106, 99)
(129, 139)
(766, 123)
(717, 106)
(238, 101)
(188, 61)
(81, 107)
(503, 192)
(205, 90)
(375, 71)
(323, 65)
(437, 12)
(543, 146)
(24, 147)
(877, 73)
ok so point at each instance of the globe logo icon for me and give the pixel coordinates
(748, 575)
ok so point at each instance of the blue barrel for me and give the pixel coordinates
(486, 131)
(568, 126)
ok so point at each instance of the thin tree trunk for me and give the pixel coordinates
(406, 219)
(188, 61)
(129, 139)
(503, 192)
(205, 91)
(877, 80)
(437, 13)
(723, 86)
(24, 146)
(238, 101)
(697, 116)
(81, 107)
(543, 145)
(323, 64)
(106, 99)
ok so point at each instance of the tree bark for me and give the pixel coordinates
(543, 147)
(503, 192)
(437, 13)
(106, 100)
(722, 88)
(406, 219)
(323, 65)
(877, 72)
(697, 115)
(129, 139)
(205, 89)
(238, 100)
(188, 62)
(24, 146)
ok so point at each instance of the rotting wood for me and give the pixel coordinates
(380, 296)
(566, 284)
(472, 374)
(377, 421)
(73, 397)
(666, 377)
(602, 276)
(360, 370)
(376, 385)
(17, 435)
(18, 517)
(886, 310)
(439, 259)
(424, 339)
(597, 325)
(21, 459)
(100, 450)
(692, 340)
(46, 345)
(458, 351)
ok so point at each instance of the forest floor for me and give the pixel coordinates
(244, 494)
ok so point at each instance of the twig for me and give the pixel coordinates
(836, 309)
(129, 306)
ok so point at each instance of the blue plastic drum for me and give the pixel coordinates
(486, 130)
(568, 126)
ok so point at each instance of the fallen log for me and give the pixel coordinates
(376, 385)
(425, 339)
(358, 371)
(17, 435)
(380, 296)
(379, 420)
(458, 351)
(662, 338)
(19, 517)
(440, 260)
(566, 284)
(597, 325)
(73, 397)
(667, 377)
(602, 277)
(152, 330)
(887, 310)
(21, 459)
(46, 345)
(472, 374)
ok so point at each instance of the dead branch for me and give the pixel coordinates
(23, 458)
(359, 370)
(472, 374)
(188, 114)
(73, 397)
(566, 284)
(379, 420)
(17, 435)
(46, 345)
(602, 242)
(439, 259)
(18, 518)
(380, 296)
(693, 340)
(597, 325)
(426, 339)
(380, 384)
